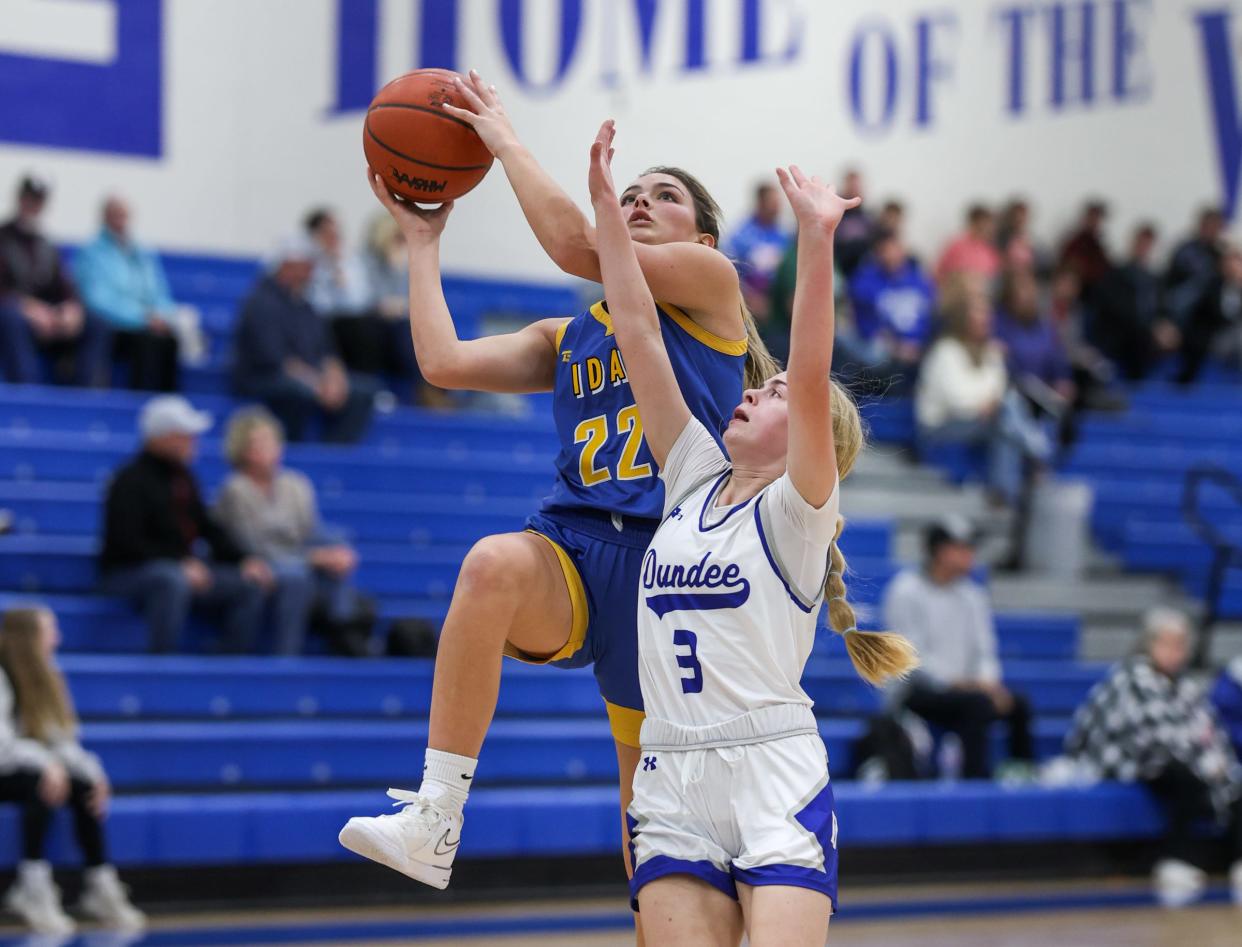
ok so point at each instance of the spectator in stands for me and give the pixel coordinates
(273, 513)
(1227, 701)
(389, 267)
(974, 251)
(856, 230)
(892, 303)
(775, 330)
(963, 396)
(285, 356)
(1150, 722)
(758, 247)
(1214, 322)
(161, 548)
(1129, 327)
(892, 219)
(1194, 264)
(1093, 373)
(39, 308)
(44, 767)
(1084, 252)
(340, 291)
(1033, 347)
(123, 284)
(947, 616)
(1014, 241)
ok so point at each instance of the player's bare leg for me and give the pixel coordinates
(688, 912)
(784, 916)
(510, 588)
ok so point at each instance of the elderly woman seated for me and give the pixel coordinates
(1150, 722)
(273, 513)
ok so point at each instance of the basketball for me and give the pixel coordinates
(423, 153)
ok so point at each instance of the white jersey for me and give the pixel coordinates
(728, 603)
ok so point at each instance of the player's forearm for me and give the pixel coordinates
(436, 345)
(813, 321)
(629, 299)
(559, 225)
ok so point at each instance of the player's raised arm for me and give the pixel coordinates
(634, 318)
(686, 274)
(522, 361)
(812, 460)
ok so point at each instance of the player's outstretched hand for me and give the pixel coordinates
(814, 203)
(419, 225)
(599, 178)
(486, 114)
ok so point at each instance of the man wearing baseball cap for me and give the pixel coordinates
(162, 549)
(947, 615)
(286, 358)
(39, 307)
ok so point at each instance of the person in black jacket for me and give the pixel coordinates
(39, 307)
(163, 550)
(285, 356)
(1214, 325)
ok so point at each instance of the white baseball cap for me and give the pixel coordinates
(295, 246)
(171, 414)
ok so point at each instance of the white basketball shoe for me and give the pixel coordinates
(1177, 883)
(419, 841)
(35, 898)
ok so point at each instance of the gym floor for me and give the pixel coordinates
(1101, 914)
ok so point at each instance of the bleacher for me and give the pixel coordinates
(1138, 463)
(225, 760)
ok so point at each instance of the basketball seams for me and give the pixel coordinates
(439, 113)
(425, 164)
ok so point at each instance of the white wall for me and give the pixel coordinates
(250, 140)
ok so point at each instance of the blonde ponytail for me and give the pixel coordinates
(760, 363)
(877, 656)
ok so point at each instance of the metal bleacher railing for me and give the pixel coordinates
(1226, 551)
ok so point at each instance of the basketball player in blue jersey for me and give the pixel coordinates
(732, 803)
(562, 592)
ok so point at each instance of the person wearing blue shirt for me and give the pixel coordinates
(893, 301)
(124, 285)
(757, 249)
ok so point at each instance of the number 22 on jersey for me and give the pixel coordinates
(593, 434)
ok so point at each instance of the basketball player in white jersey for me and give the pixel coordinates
(732, 801)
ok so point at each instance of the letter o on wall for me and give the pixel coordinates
(873, 38)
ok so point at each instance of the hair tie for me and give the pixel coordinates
(851, 630)
(836, 598)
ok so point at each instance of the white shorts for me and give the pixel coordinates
(760, 814)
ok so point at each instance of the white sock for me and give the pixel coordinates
(34, 870)
(447, 778)
(93, 876)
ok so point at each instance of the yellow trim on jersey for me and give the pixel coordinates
(626, 722)
(696, 331)
(602, 316)
(688, 325)
(578, 602)
(560, 335)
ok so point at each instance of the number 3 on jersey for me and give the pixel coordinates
(593, 434)
(688, 639)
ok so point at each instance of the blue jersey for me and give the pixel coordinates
(604, 463)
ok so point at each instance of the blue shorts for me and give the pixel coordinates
(602, 565)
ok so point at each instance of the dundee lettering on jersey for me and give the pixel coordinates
(729, 589)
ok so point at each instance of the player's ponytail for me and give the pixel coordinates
(760, 363)
(877, 656)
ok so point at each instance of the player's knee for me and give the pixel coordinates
(492, 567)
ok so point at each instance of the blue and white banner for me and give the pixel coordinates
(223, 120)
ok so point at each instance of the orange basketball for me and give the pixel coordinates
(422, 152)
